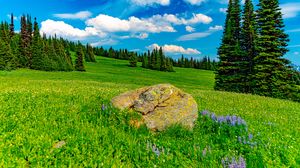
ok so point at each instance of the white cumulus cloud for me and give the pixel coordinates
(61, 29)
(195, 2)
(223, 10)
(133, 24)
(79, 15)
(189, 29)
(290, 10)
(174, 49)
(151, 2)
(215, 28)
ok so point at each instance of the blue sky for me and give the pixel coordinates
(189, 27)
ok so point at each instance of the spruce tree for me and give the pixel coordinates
(270, 68)
(133, 60)
(228, 76)
(12, 26)
(79, 60)
(6, 56)
(37, 54)
(248, 36)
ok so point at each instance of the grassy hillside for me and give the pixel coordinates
(39, 109)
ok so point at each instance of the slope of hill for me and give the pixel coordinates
(39, 109)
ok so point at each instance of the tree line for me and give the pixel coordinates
(28, 49)
(204, 63)
(252, 50)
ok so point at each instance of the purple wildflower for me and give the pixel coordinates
(250, 136)
(205, 113)
(241, 163)
(221, 119)
(228, 118)
(155, 150)
(103, 107)
(213, 117)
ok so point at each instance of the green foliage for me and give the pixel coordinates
(79, 60)
(133, 60)
(156, 60)
(39, 109)
(251, 55)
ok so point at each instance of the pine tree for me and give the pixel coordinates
(24, 44)
(37, 54)
(89, 56)
(79, 60)
(270, 68)
(157, 56)
(12, 26)
(133, 60)
(228, 76)
(248, 36)
(6, 56)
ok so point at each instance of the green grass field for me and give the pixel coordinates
(39, 109)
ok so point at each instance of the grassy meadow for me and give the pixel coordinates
(39, 109)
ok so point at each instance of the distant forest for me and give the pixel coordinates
(30, 49)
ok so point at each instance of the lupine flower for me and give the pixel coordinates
(221, 119)
(213, 117)
(103, 107)
(204, 113)
(241, 163)
(155, 150)
(250, 136)
(232, 120)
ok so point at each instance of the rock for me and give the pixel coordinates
(161, 106)
(59, 144)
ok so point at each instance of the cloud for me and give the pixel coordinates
(189, 29)
(294, 46)
(79, 15)
(104, 42)
(223, 10)
(133, 24)
(9, 16)
(173, 19)
(195, 2)
(154, 24)
(195, 36)
(293, 31)
(105, 26)
(290, 10)
(215, 28)
(61, 29)
(174, 49)
(150, 2)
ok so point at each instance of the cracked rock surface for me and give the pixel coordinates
(161, 106)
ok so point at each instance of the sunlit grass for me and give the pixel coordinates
(39, 109)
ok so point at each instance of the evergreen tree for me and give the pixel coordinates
(157, 56)
(270, 68)
(79, 60)
(248, 36)
(12, 26)
(24, 43)
(37, 53)
(133, 60)
(6, 56)
(228, 76)
(89, 56)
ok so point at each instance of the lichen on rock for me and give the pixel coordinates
(161, 106)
